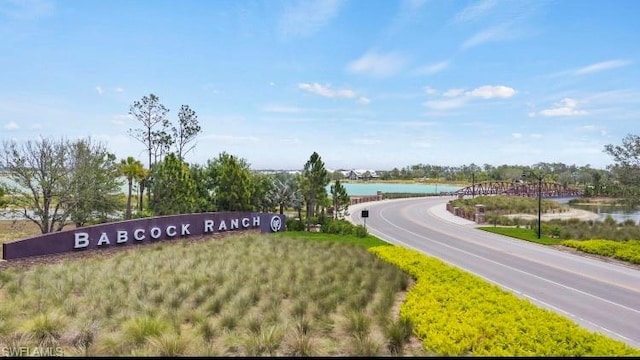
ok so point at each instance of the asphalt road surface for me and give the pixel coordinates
(600, 296)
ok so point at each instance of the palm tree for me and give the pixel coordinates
(132, 169)
(143, 182)
(284, 192)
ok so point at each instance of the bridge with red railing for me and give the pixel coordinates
(517, 188)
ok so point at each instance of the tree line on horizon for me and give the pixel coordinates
(62, 181)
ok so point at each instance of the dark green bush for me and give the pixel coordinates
(295, 225)
(360, 231)
(342, 227)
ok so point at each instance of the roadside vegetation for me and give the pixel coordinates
(243, 295)
(285, 294)
(457, 314)
(496, 207)
(625, 248)
(622, 250)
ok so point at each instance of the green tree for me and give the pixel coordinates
(186, 132)
(174, 187)
(3, 192)
(133, 170)
(93, 185)
(143, 183)
(262, 190)
(314, 181)
(626, 169)
(153, 133)
(340, 199)
(39, 169)
(285, 191)
(627, 160)
(151, 114)
(59, 179)
(204, 188)
(232, 183)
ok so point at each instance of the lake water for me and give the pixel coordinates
(619, 214)
(363, 189)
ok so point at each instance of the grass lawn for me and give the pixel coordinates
(366, 242)
(523, 234)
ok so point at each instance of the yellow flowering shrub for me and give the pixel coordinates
(623, 250)
(456, 313)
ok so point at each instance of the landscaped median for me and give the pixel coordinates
(456, 313)
(622, 250)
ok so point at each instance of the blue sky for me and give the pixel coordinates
(366, 84)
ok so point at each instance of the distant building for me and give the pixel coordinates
(362, 174)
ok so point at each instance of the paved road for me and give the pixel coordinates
(600, 296)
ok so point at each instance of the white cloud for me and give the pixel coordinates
(99, 90)
(474, 11)
(457, 97)
(566, 107)
(435, 68)
(517, 135)
(307, 17)
(446, 104)
(327, 91)
(453, 92)
(490, 92)
(119, 90)
(430, 91)
(12, 126)
(601, 66)
(379, 65)
(364, 100)
(495, 33)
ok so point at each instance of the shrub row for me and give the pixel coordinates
(623, 250)
(502, 205)
(456, 313)
(343, 227)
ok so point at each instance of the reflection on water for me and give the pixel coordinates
(618, 213)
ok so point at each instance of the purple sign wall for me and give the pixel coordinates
(141, 231)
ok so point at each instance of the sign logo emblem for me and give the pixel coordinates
(276, 224)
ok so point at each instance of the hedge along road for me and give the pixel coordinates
(600, 296)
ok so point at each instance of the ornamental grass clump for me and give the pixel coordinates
(241, 295)
(140, 329)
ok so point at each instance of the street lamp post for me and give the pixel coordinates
(539, 203)
(539, 178)
(473, 185)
